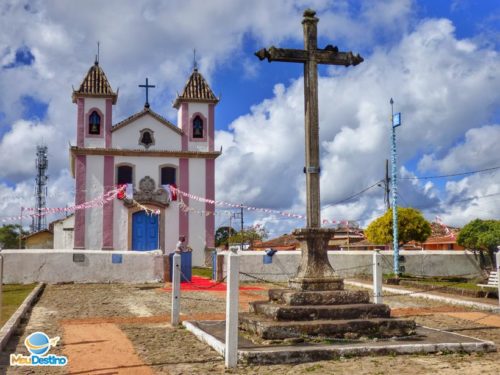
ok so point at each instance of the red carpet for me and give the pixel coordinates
(201, 283)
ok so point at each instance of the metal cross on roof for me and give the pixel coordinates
(147, 86)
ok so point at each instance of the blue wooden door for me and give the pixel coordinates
(144, 231)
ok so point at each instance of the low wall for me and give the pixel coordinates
(351, 263)
(86, 266)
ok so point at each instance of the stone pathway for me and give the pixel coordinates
(101, 348)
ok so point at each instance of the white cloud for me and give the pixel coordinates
(478, 151)
(444, 87)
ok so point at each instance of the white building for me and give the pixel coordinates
(147, 151)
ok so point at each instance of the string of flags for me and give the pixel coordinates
(185, 208)
(99, 201)
(249, 208)
(447, 230)
(123, 191)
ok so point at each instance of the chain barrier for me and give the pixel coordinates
(252, 275)
(263, 280)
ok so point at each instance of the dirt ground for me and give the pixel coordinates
(124, 329)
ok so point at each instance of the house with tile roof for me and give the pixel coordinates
(145, 152)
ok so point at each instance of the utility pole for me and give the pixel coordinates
(395, 121)
(241, 216)
(387, 188)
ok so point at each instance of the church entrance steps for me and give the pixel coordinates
(294, 297)
(318, 312)
(269, 329)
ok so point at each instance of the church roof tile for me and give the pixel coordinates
(95, 83)
(197, 90)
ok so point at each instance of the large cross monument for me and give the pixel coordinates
(315, 271)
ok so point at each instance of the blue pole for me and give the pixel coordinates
(394, 188)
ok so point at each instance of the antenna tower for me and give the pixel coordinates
(39, 220)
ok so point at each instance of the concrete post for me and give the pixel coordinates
(377, 277)
(498, 273)
(176, 289)
(233, 275)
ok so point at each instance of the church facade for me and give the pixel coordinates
(145, 152)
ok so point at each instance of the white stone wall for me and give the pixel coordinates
(58, 266)
(120, 225)
(128, 136)
(90, 103)
(197, 228)
(351, 263)
(64, 233)
(171, 227)
(94, 187)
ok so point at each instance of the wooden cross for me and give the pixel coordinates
(147, 86)
(311, 56)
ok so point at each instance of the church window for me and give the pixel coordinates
(146, 138)
(197, 127)
(168, 175)
(94, 123)
(124, 174)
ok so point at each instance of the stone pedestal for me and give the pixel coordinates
(336, 313)
(315, 271)
(317, 304)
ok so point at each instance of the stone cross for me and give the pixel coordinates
(314, 262)
(147, 86)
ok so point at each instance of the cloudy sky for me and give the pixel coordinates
(438, 59)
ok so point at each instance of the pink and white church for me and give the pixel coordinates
(147, 151)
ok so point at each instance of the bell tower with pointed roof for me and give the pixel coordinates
(94, 99)
(196, 107)
(196, 118)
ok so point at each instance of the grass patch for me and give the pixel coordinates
(12, 297)
(459, 285)
(202, 271)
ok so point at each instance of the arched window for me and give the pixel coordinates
(124, 174)
(197, 127)
(94, 123)
(168, 176)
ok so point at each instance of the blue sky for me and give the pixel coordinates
(439, 60)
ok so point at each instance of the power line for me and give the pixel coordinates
(449, 175)
(354, 195)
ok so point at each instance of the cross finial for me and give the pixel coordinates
(97, 56)
(195, 63)
(147, 86)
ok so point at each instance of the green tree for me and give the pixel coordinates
(222, 235)
(481, 235)
(412, 226)
(249, 235)
(9, 236)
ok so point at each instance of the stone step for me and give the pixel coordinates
(320, 312)
(331, 297)
(268, 329)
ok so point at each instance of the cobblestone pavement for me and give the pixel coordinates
(124, 329)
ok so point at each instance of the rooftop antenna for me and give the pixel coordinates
(39, 220)
(195, 64)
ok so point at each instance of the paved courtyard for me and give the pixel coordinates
(124, 329)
